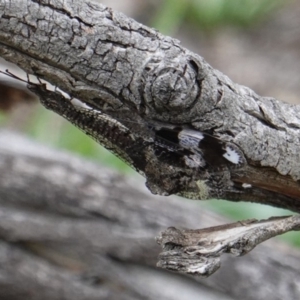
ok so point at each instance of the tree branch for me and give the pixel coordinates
(139, 89)
(198, 252)
(132, 72)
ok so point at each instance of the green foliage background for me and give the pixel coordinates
(208, 15)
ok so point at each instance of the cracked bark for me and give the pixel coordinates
(123, 68)
(116, 64)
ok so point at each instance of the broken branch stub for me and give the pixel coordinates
(198, 252)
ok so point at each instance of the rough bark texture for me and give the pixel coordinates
(116, 64)
(72, 229)
(126, 71)
(198, 252)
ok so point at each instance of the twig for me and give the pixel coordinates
(198, 252)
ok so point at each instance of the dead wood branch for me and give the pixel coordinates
(117, 65)
(127, 70)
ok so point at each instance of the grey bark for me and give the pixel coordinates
(72, 229)
(198, 252)
(114, 63)
(128, 70)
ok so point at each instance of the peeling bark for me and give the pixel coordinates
(198, 252)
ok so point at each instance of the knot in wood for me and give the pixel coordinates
(170, 86)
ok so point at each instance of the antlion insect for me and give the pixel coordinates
(159, 152)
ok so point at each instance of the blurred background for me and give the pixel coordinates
(255, 42)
